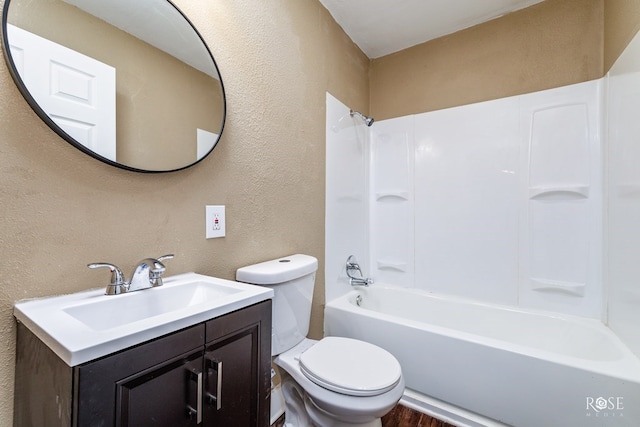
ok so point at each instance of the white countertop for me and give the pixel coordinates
(87, 325)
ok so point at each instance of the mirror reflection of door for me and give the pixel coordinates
(170, 106)
(77, 92)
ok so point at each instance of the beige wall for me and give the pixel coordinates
(62, 209)
(551, 44)
(621, 23)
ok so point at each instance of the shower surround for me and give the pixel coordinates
(529, 202)
(499, 201)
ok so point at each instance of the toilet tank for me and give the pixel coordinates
(292, 279)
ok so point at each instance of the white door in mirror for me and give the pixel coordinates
(77, 92)
(215, 221)
(205, 142)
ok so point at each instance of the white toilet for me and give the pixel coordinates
(333, 382)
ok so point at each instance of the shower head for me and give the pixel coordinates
(367, 120)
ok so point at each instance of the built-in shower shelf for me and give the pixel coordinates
(402, 195)
(391, 265)
(560, 192)
(546, 285)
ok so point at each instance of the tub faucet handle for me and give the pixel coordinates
(354, 273)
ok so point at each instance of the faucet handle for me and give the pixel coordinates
(117, 284)
(352, 265)
(158, 268)
(164, 257)
(356, 279)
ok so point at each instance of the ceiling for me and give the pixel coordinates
(381, 27)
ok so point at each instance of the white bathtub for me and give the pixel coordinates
(481, 364)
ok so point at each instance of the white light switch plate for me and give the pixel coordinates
(215, 221)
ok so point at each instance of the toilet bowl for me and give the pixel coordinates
(341, 392)
(333, 382)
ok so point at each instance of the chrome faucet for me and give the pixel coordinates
(147, 274)
(353, 267)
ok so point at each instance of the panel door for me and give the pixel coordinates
(77, 92)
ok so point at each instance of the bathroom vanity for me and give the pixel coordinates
(215, 372)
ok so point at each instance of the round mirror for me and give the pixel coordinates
(131, 83)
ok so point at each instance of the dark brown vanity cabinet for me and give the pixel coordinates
(215, 373)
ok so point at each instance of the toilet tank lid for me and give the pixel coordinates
(278, 270)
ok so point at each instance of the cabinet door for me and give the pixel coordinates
(230, 381)
(128, 377)
(165, 395)
(237, 368)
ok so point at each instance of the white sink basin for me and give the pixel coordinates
(108, 313)
(84, 326)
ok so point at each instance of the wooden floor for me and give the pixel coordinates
(279, 422)
(400, 416)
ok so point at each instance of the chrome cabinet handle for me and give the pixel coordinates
(196, 377)
(216, 366)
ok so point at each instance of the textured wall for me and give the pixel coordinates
(62, 209)
(621, 23)
(553, 43)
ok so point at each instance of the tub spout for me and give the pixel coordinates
(365, 281)
(354, 273)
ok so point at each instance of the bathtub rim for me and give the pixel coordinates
(626, 367)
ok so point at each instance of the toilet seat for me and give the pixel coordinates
(351, 367)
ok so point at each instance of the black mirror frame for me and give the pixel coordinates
(45, 117)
